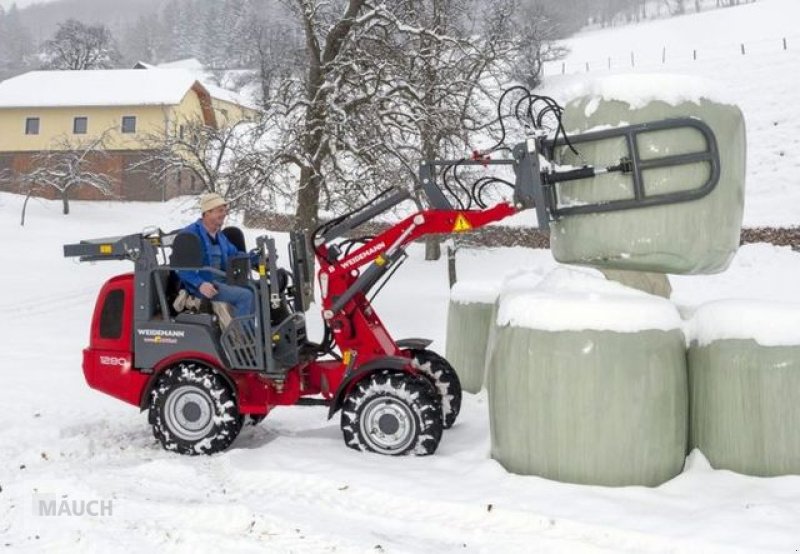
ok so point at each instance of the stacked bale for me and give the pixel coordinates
(686, 238)
(587, 383)
(744, 374)
(645, 281)
(469, 320)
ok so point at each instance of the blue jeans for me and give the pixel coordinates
(240, 298)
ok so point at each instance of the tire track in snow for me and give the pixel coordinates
(41, 305)
(479, 524)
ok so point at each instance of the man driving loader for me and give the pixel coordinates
(216, 250)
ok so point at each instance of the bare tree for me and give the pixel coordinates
(68, 166)
(444, 70)
(534, 31)
(315, 107)
(233, 160)
(378, 73)
(78, 46)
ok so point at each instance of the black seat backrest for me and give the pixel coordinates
(186, 251)
(236, 237)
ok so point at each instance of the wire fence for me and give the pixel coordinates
(667, 55)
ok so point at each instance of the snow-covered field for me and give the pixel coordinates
(290, 484)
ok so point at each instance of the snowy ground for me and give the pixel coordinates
(290, 484)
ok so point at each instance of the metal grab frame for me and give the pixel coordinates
(636, 165)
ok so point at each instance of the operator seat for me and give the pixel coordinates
(187, 253)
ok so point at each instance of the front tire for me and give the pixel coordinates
(392, 414)
(193, 410)
(444, 379)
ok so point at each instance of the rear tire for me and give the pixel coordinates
(444, 379)
(193, 410)
(392, 414)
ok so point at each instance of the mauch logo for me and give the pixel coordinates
(161, 336)
(49, 505)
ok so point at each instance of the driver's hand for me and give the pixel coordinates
(208, 290)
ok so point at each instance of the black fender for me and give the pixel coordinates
(397, 363)
(151, 382)
(414, 343)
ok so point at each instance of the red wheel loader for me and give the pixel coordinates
(200, 381)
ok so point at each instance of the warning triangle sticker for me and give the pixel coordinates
(461, 224)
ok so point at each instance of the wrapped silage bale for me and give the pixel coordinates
(518, 281)
(469, 319)
(695, 237)
(744, 381)
(587, 383)
(645, 281)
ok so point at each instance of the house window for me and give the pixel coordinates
(79, 125)
(129, 124)
(32, 126)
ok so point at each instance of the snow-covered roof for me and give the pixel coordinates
(195, 67)
(228, 96)
(187, 63)
(108, 87)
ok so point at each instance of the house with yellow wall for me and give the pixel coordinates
(57, 110)
(229, 106)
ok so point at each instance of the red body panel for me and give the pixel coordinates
(110, 371)
(108, 361)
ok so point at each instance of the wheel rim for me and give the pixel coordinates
(189, 413)
(388, 425)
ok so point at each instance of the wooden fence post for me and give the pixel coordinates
(451, 266)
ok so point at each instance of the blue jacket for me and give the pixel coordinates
(193, 279)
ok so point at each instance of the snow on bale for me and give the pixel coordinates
(696, 237)
(469, 320)
(587, 382)
(744, 376)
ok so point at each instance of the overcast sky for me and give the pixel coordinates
(21, 3)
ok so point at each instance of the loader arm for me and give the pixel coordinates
(345, 281)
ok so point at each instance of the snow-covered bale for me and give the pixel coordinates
(469, 321)
(587, 383)
(697, 237)
(744, 376)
